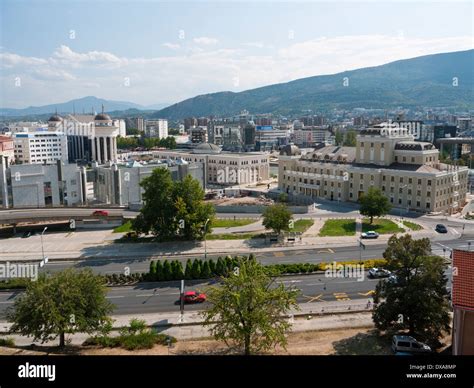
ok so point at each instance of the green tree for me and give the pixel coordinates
(196, 269)
(205, 270)
(178, 273)
(153, 270)
(167, 271)
(220, 267)
(157, 214)
(66, 302)
(212, 267)
(350, 139)
(249, 310)
(173, 209)
(188, 272)
(277, 217)
(374, 204)
(418, 299)
(339, 138)
(159, 271)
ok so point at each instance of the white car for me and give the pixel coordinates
(377, 273)
(370, 234)
(405, 343)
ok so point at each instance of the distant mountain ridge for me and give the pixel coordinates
(79, 105)
(428, 80)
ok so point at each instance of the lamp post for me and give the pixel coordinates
(44, 259)
(205, 240)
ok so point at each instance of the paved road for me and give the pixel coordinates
(161, 297)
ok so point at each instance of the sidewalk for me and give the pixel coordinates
(312, 316)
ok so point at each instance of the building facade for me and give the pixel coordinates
(221, 168)
(408, 172)
(156, 128)
(37, 185)
(7, 149)
(42, 147)
(119, 184)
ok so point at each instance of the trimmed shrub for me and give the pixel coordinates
(205, 271)
(167, 271)
(159, 271)
(178, 273)
(152, 271)
(188, 272)
(212, 267)
(196, 270)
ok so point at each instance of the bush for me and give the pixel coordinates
(205, 271)
(188, 272)
(167, 271)
(8, 342)
(196, 270)
(177, 270)
(212, 267)
(159, 271)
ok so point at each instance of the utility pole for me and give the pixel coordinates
(205, 240)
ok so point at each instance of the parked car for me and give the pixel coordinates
(440, 228)
(101, 213)
(405, 343)
(194, 297)
(370, 234)
(377, 273)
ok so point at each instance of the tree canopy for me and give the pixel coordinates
(66, 302)
(248, 309)
(277, 217)
(173, 209)
(416, 299)
(374, 204)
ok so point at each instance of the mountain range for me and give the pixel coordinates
(439, 80)
(80, 105)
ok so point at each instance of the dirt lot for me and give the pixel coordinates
(327, 342)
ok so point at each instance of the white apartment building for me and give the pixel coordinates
(156, 128)
(42, 147)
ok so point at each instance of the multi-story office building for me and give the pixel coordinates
(268, 138)
(408, 172)
(156, 128)
(42, 147)
(310, 136)
(119, 184)
(198, 135)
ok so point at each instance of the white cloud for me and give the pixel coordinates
(193, 70)
(204, 40)
(254, 44)
(171, 46)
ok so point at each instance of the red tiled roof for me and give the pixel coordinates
(463, 279)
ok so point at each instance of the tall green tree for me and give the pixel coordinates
(249, 310)
(196, 269)
(178, 273)
(339, 138)
(350, 139)
(188, 272)
(173, 209)
(417, 300)
(277, 217)
(374, 204)
(66, 302)
(159, 271)
(157, 214)
(167, 271)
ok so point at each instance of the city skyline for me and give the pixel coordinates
(102, 49)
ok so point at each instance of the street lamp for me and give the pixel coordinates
(45, 259)
(205, 240)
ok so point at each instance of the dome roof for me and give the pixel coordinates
(55, 118)
(207, 148)
(102, 117)
(290, 150)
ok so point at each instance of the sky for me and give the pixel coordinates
(156, 52)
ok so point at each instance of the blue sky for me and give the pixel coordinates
(153, 52)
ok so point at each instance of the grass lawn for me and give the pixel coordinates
(127, 227)
(412, 225)
(302, 226)
(229, 223)
(233, 236)
(381, 225)
(338, 228)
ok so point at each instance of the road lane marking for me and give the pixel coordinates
(291, 281)
(371, 292)
(113, 297)
(7, 302)
(341, 296)
(146, 295)
(328, 250)
(314, 298)
(278, 254)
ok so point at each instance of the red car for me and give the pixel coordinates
(100, 213)
(194, 297)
